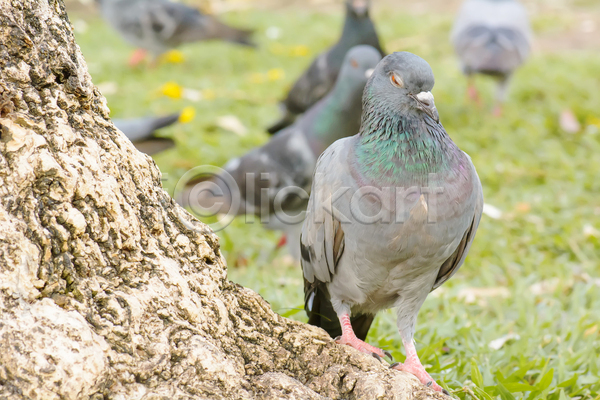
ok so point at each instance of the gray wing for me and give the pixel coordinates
(285, 162)
(453, 263)
(190, 25)
(312, 86)
(156, 25)
(492, 36)
(322, 241)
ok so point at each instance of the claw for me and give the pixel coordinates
(447, 393)
(338, 338)
(394, 365)
(388, 355)
(429, 383)
(377, 357)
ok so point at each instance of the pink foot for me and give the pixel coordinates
(360, 345)
(473, 94)
(349, 338)
(419, 371)
(137, 57)
(413, 365)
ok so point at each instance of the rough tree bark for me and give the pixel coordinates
(109, 289)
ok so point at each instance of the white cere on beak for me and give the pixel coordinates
(425, 98)
(369, 72)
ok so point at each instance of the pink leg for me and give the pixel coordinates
(348, 337)
(413, 365)
(137, 57)
(473, 94)
(497, 110)
(282, 242)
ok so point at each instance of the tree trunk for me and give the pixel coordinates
(108, 288)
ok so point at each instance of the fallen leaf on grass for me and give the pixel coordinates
(233, 124)
(497, 344)
(543, 287)
(108, 88)
(471, 294)
(273, 32)
(568, 122)
(491, 211)
(589, 231)
(590, 331)
(191, 95)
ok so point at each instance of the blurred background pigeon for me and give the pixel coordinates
(289, 158)
(161, 25)
(363, 254)
(491, 37)
(141, 132)
(320, 77)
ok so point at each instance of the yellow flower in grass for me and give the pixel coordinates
(209, 94)
(593, 121)
(277, 49)
(187, 115)
(173, 57)
(299, 51)
(172, 90)
(257, 78)
(276, 74)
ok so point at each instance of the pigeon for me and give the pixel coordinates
(141, 132)
(320, 77)
(272, 181)
(161, 25)
(392, 213)
(491, 37)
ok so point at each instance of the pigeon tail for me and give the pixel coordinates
(286, 120)
(239, 36)
(215, 29)
(208, 194)
(163, 122)
(321, 313)
(154, 145)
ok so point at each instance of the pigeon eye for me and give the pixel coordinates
(353, 63)
(396, 81)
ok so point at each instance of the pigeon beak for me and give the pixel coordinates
(369, 72)
(426, 104)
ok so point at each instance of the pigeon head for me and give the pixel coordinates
(402, 82)
(358, 66)
(358, 8)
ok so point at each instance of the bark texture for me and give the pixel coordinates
(109, 289)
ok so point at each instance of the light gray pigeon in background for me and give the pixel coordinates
(161, 25)
(288, 160)
(320, 77)
(141, 131)
(492, 37)
(392, 213)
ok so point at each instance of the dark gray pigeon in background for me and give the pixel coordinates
(161, 25)
(492, 37)
(392, 213)
(287, 161)
(141, 131)
(320, 77)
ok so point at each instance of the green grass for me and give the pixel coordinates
(544, 180)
